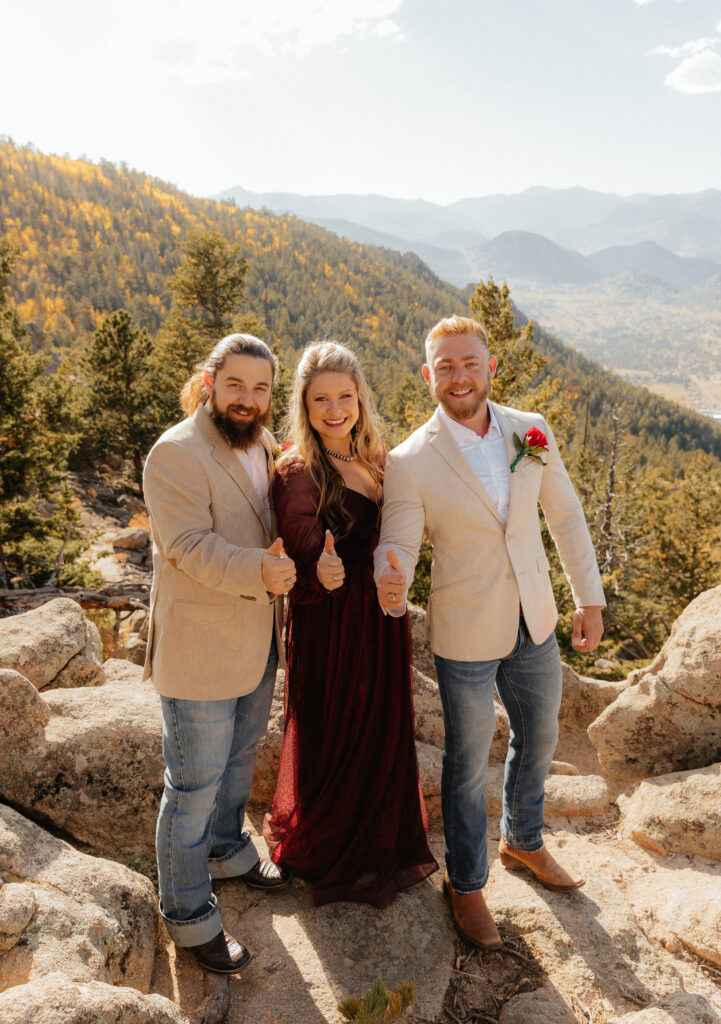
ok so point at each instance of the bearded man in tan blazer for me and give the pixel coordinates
(491, 614)
(216, 612)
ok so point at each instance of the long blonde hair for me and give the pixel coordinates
(194, 391)
(331, 357)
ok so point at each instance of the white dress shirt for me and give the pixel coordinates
(487, 457)
(254, 461)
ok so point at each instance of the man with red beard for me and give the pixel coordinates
(214, 640)
(472, 478)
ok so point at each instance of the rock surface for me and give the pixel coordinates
(677, 813)
(86, 667)
(89, 918)
(23, 715)
(131, 538)
(56, 999)
(308, 958)
(676, 901)
(541, 1005)
(626, 947)
(678, 1009)
(669, 717)
(99, 763)
(565, 795)
(53, 645)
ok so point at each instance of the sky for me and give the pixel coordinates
(430, 99)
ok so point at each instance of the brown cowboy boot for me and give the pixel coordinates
(542, 866)
(472, 918)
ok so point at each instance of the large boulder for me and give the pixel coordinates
(131, 538)
(569, 796)
(56, 999)
(676, 902)
(584, 699)
(23, 716)
(669, 718)
(678, 813)
(66, 911)
(88, 759)
(53, 646)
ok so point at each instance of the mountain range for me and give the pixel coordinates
(540, 236)
(634, 282)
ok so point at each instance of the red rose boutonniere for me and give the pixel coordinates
(279, 450)
(532, 445)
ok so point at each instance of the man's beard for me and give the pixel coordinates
(464, 409)
(238, 434)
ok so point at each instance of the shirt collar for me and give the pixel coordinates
(464, 435)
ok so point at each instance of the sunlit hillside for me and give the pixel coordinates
(94, 238)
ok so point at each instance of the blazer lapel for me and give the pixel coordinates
(445, 445)
(224, 456)
(507, 423)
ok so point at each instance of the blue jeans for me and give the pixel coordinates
(528, 681)
(209, 748)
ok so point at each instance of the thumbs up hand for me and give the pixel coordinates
(277, 570)
(392, 584)
(330, 568)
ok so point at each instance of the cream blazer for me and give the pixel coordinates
(211, 618)
(484, 571)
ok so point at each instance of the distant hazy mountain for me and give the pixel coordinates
(411, 219)
(524, 256)
(674, 237)
(450, 264)
(651, 258)
(688, 225)
(544, 211)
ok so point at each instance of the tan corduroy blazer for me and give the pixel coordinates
(211, 618)
(484, 571)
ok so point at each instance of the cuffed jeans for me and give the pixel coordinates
(528, 681)
(209, 748)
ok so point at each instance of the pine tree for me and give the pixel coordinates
(519, 378)
(686, 549)
(35, 438)
(119, 393)
(208, 294)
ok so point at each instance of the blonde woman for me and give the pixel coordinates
(348, 814)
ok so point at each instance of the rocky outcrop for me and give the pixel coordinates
(131, 538)
(89, 918)
(669, 717)
(132, 544)
(53, 646)
(56, 999)
(92, 757)
(23, 717)
(678, 813)
(89, 760)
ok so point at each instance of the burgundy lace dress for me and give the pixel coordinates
(348, 813)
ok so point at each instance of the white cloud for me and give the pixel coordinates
(687, 49)
(220, 46)
(275, 26)
(697, 74)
